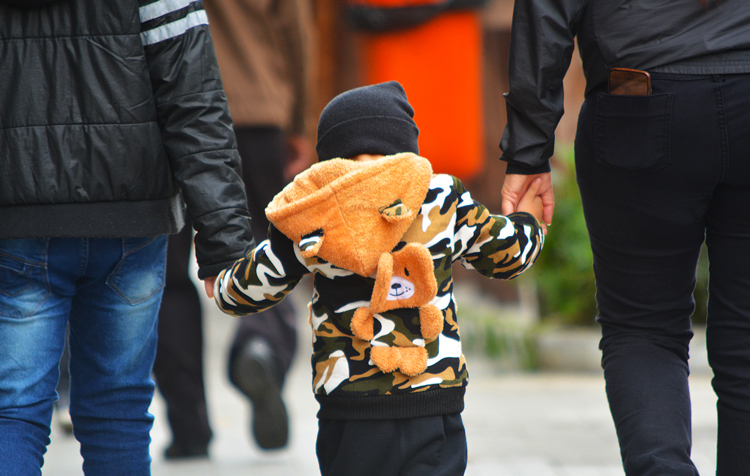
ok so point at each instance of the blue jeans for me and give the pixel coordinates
(109, 291)
(659, 174)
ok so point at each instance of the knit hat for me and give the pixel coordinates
(376, 119)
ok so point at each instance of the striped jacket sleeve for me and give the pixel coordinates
(496, 246)
(263, 278)
(196, 128)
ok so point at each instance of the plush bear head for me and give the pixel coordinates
(405, 278)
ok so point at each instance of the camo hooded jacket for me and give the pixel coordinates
(346, 383)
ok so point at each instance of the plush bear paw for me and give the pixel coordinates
(387, 359)
(411, 361)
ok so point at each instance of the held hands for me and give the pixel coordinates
(524, 192)
(531, 202)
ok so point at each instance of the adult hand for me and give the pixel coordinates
(301, 156)
(531, 202)
(515, 186)
(209, 284)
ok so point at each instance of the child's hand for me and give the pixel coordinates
(531, 202)
(209, 285)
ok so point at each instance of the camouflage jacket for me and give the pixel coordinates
(347, 385)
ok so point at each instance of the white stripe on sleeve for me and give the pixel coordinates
(161, 8)
(174, 29)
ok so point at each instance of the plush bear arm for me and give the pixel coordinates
(430, 321)
(363, 324)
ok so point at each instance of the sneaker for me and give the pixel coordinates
(181, 451)
(63, 418)
(253, 373)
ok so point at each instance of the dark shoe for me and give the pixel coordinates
(253, 373)
(63, 418)
(177, 451)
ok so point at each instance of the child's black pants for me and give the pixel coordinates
(427, 446)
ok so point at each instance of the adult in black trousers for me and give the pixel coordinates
(660, 170)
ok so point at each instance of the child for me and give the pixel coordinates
(380, 233)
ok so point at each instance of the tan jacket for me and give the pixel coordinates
(264, 50)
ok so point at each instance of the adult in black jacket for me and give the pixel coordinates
(658, 171)
(113, 113)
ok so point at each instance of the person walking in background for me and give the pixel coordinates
(111, 112)
(380, 233)
(178, 367)
(62, 405)
(661, 161)
(265, 59)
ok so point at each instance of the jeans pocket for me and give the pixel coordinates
(140, 274)
(632, 132)
(23, 279)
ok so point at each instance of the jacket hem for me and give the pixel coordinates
(93, 219)
(442, 401)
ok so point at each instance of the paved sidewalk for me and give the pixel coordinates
(518, 424)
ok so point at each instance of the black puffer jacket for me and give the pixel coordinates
(665, 36)
(110, 109)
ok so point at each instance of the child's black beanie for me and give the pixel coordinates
(376, 119)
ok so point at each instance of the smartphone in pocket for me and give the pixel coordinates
(629, 82)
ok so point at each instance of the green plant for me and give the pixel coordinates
(564, 271)
(701, 289)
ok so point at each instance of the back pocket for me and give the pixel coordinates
(632, 132)
(23, 283)
(140, 274)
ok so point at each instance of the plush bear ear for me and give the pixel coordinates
(310, 244)
(395, 212)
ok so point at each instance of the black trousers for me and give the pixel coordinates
(178, 368)
(264, 152)
(427, 446)
(657, 175)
